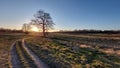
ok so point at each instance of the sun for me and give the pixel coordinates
(34, 29)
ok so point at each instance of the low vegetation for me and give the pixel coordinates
(61, 51)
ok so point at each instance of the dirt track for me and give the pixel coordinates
(15, 61)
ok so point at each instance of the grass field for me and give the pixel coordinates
(64, 50)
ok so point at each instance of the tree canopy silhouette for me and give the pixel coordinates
(43, 20)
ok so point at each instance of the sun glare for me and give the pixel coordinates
(34, 28)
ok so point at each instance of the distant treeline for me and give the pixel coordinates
(90, 31)
(3, 30)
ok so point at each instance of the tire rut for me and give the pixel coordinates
(26, 60)
(14, 59)
(34, 57)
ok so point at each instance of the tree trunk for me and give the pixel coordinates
(44, 29)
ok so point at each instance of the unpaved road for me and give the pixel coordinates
(15, 61)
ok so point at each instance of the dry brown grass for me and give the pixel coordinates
(4, 52)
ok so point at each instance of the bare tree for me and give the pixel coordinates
(43, 20)
(25, 28)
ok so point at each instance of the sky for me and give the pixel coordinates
(66, 14)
